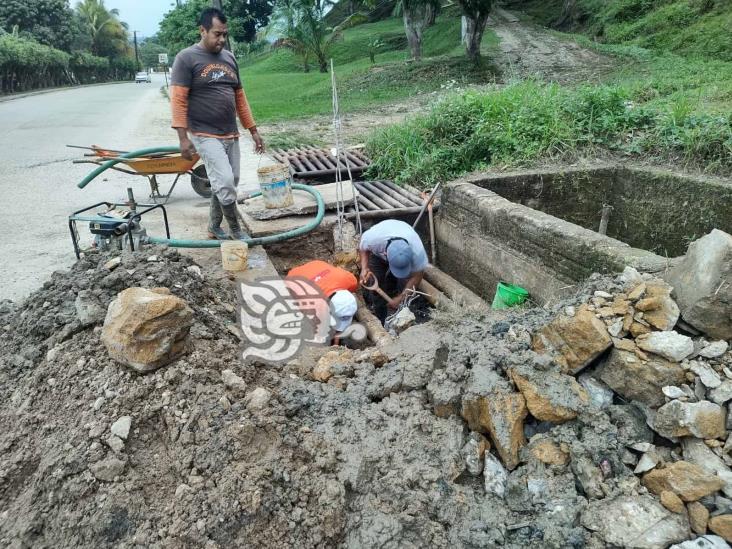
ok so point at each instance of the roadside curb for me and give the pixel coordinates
(11, 97)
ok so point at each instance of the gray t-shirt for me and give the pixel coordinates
(212, 80)
(377, 237)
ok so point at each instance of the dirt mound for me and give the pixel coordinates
(95, 455)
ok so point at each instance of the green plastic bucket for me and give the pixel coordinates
(508, 295)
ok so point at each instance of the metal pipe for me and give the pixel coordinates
(429, 201)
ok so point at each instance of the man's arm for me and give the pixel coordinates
(247, 120)
(412, 283)
(364, 256)
(180, 86)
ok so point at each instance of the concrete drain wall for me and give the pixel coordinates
(538, 229)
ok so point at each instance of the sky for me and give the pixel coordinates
(142, 16)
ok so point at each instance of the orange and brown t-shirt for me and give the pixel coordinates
(206, 93)
(325, 276)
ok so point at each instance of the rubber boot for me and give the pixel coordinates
(233, 220)
(215, 217)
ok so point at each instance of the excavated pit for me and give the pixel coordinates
(539, 229)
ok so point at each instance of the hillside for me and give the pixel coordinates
(278, 87)
(687, 27)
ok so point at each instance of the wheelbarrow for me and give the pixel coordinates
(152, 166)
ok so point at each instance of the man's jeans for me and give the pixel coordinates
(222, 159)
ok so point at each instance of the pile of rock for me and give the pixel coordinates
(682, 384)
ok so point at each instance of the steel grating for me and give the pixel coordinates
(313, 163)
(384, 198)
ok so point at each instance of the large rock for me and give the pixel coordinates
(703, 542)
(698, 517)
(495, 477)
(679, 419)
(634, 379)
(661, 312)
(670, 345)
(698, 453)
(722, 526)
(550, 396)
(635, 521)
(723, 393)
(574, 341)
(702, 283)
(688, 481)
(146, 329)
(502, 416)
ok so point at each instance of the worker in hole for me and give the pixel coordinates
(392, 253)
(206, 96)
(338, 286)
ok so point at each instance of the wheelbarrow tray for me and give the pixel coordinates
(163, 165)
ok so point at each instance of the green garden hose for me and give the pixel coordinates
(178, 243)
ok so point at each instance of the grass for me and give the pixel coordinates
(657, 105)
(523, 122)
(278, 89)
(687, 27)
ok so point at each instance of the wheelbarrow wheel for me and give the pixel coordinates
(200, 182)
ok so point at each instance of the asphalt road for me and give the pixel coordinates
(38, 180)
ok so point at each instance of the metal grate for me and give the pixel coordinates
(384, 198)
(313, 163)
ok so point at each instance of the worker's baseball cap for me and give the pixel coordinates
(399, 256)
(343, 307)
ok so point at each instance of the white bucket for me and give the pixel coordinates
(234, 255)
(276, 185)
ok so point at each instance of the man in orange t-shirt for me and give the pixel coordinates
(337, 285)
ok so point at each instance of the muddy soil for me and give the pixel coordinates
(360, 461)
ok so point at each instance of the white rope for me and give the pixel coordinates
(341, 154)
(389, 321)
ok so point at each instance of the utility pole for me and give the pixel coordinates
(137, 55)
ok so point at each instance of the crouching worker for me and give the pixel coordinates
(338, 286)
(391, 252)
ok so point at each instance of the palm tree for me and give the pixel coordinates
(302, 24)
(108, 34)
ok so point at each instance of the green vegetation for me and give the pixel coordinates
(656, 105)
(688, 27)
(531, 120)
(278, 89)
(45, 43)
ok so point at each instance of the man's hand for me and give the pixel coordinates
(258, 141)
(366, 275)
(393, 304)
(187, 150)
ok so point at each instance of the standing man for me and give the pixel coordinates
(206, 97)
(337, 285)
(393, 253)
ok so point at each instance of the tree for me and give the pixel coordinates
(149, 51)
(179, 27)
(416, 15)
(476, 15)
(303, 28)
(247, 17)
(107, 33)
(48, 22)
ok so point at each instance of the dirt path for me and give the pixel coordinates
(528, 50)
(525, 51)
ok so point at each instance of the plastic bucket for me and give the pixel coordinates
(234, 255)
(508, 295)
(276, 185)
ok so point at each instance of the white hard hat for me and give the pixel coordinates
(343, 307)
